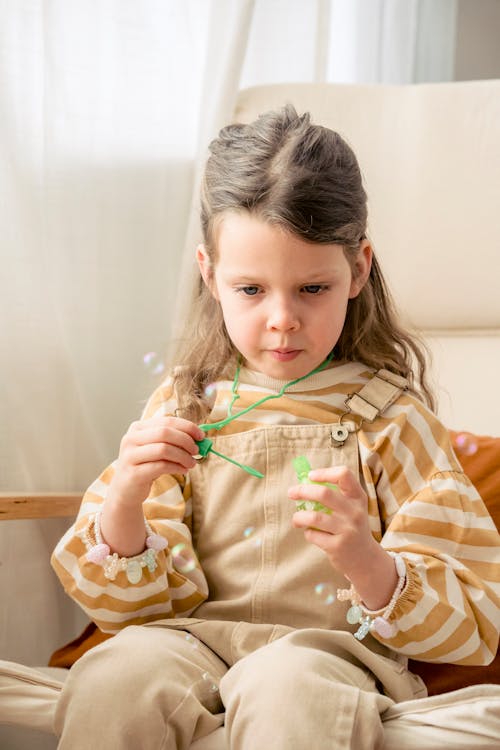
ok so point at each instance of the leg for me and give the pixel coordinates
(293, 695)
(144, 689)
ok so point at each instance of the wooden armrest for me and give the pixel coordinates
(39, 505)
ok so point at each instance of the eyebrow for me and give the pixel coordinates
(252, 277)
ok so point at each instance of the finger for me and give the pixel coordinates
(325, 541)
(342, 477)
(313, 493)
(178, 423)
(166, 435)
(153, 452)
(150, 471)
(307, 519)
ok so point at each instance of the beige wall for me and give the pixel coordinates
(477, 53)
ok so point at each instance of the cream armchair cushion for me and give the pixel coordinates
(467, 718)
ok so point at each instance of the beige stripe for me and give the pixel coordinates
(162, 488)
(72, 553)
(469, 503)
(400, 487)
(95, 595)
(157, 401)
(158, 512)
(117, 611)
(443, 533)
(106, 476)
(486, 571)
(437, 623)
(465, 636)
(424, 508)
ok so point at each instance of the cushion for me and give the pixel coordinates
(480, 459)
(68, 654)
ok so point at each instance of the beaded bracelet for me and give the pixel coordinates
(357, 613)
(98, 552)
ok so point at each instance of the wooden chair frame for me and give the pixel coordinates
(39, 505)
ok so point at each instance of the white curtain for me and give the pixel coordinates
(391, 41)
(106, 109)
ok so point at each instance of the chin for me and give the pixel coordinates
(287, 370)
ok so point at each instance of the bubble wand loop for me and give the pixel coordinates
(205, 445)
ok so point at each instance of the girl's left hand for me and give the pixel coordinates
(345, 535)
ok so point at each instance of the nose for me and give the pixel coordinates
(283, 315)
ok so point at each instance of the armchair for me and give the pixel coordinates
(430, 155)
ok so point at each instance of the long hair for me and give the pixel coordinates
(305, 178)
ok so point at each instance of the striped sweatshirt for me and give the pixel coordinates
(420, 504)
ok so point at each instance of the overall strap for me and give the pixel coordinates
(379, 393)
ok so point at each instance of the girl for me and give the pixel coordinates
(292, 628)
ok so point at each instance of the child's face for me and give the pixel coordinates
(283, 299)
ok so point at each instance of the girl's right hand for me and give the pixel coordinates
(150, 448)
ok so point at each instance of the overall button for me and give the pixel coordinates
(339, 435)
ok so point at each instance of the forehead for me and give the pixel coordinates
(247, 243)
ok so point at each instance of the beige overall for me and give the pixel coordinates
(269, 655)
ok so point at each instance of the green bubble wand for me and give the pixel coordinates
(206, 445)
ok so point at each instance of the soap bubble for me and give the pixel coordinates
(191, 640)
(210, 682)
(465, 444)
(249, 533)
(210, 389)
(325, 592)
(153, 363)
(183, 558)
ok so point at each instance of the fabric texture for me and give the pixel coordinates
(467, 718)
(28, 696)
(295, 680)
(155, 711)
(420, 502)
(217, 496)
(480, 459)
(479, 456)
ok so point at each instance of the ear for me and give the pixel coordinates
(206, 269)
(361, 268)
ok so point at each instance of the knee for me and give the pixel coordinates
(286, 671)
(128, 659)
(271, 673)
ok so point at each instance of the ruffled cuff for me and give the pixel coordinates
(383, 622)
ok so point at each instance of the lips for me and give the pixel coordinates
(285, 355)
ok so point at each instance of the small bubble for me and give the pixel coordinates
(325, 592)
(466, 444)
(209, 681)
(210, 389)
(183, 558)
(191, 640)
(249, 533)
(153, 363)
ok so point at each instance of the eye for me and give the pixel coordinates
(314, 288)
(249, 291)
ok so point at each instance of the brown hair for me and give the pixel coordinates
(305, 178)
